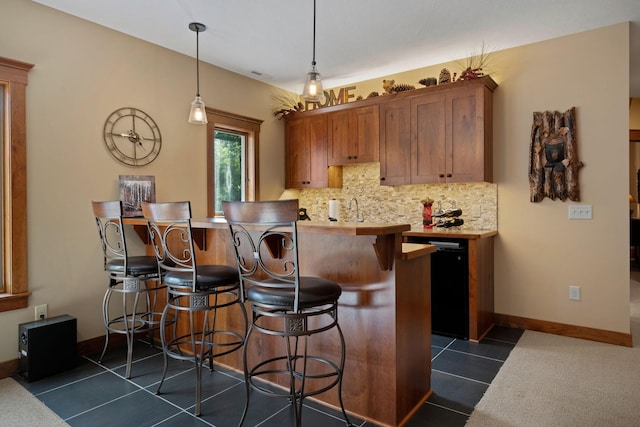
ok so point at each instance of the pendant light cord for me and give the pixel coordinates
(313, 61)
(198, 62)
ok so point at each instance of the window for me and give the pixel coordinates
(229, 167)
(232, 159)
(13, 158)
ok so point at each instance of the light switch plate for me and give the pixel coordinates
(580, 212)
(574, 293)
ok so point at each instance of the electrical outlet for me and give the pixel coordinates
(574, 293)
(476, 211)
(580, 212)
(41, 312)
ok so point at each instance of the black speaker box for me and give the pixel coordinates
(47, 347)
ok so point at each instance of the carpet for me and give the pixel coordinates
(19, 408)
(551, 380)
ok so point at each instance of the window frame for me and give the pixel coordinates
(235, 123)
(13, 76)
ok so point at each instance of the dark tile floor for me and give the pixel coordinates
(98, 395)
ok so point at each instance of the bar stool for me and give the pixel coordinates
(128, 277)
(283, 304)
(191, 289)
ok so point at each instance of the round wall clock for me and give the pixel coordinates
(132, 136)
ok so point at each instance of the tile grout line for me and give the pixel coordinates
(448, 409)
(476, 355)
(461, 377)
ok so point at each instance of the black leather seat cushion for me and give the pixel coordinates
(314, 291)
(209, 277)
(137, 266)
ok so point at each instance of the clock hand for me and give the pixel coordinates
(126, 135)
(134, 137)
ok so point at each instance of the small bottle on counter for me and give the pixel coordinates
(427, 206)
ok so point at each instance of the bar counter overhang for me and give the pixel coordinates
(385, 309)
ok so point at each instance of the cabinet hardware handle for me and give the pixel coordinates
(449, 175)
(441, 175)
(382, 178)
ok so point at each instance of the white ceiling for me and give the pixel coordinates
(355, 39)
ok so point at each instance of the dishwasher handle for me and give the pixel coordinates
(443, 245)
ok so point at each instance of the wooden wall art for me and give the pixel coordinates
(553, 156)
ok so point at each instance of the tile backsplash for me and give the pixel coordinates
(401, 203)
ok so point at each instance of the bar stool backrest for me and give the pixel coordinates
(265, 241)
(169, 227)
(114, 245)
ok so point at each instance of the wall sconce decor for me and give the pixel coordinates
(198, 114)
(553, 156)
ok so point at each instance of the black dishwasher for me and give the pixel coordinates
(449, 286)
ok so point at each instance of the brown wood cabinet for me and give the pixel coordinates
(395, 142)
(481, 273)
(435, 134)
(306, 152)
(438, 136)
(353, 135)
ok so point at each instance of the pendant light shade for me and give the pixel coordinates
(197, 115)
(313, 91)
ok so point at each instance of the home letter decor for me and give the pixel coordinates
(553, 156)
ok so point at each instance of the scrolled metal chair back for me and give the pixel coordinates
(169, 227)
(108, 216)
(265, 241)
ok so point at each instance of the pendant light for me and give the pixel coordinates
(198, 115)
(313, 91)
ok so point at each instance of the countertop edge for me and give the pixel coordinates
(451, 234)
(416, 250)
(342, 228)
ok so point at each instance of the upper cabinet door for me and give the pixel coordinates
(428, 139)
(318, 133)
(339, 150)
(395, 142)
(468, 145)
(367, 134)
(297, 153)
(354, 135)
(306, 152)
(451, 138)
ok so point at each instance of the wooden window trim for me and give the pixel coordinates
(13, 75)
(236, 123)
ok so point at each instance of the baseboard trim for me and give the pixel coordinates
(573, 331)
(8, 368)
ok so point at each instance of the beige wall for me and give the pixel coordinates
(83, 72)
(540, 252)
(634, 147)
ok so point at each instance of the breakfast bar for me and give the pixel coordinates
(384, 309)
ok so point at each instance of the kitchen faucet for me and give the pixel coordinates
(358, 219)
